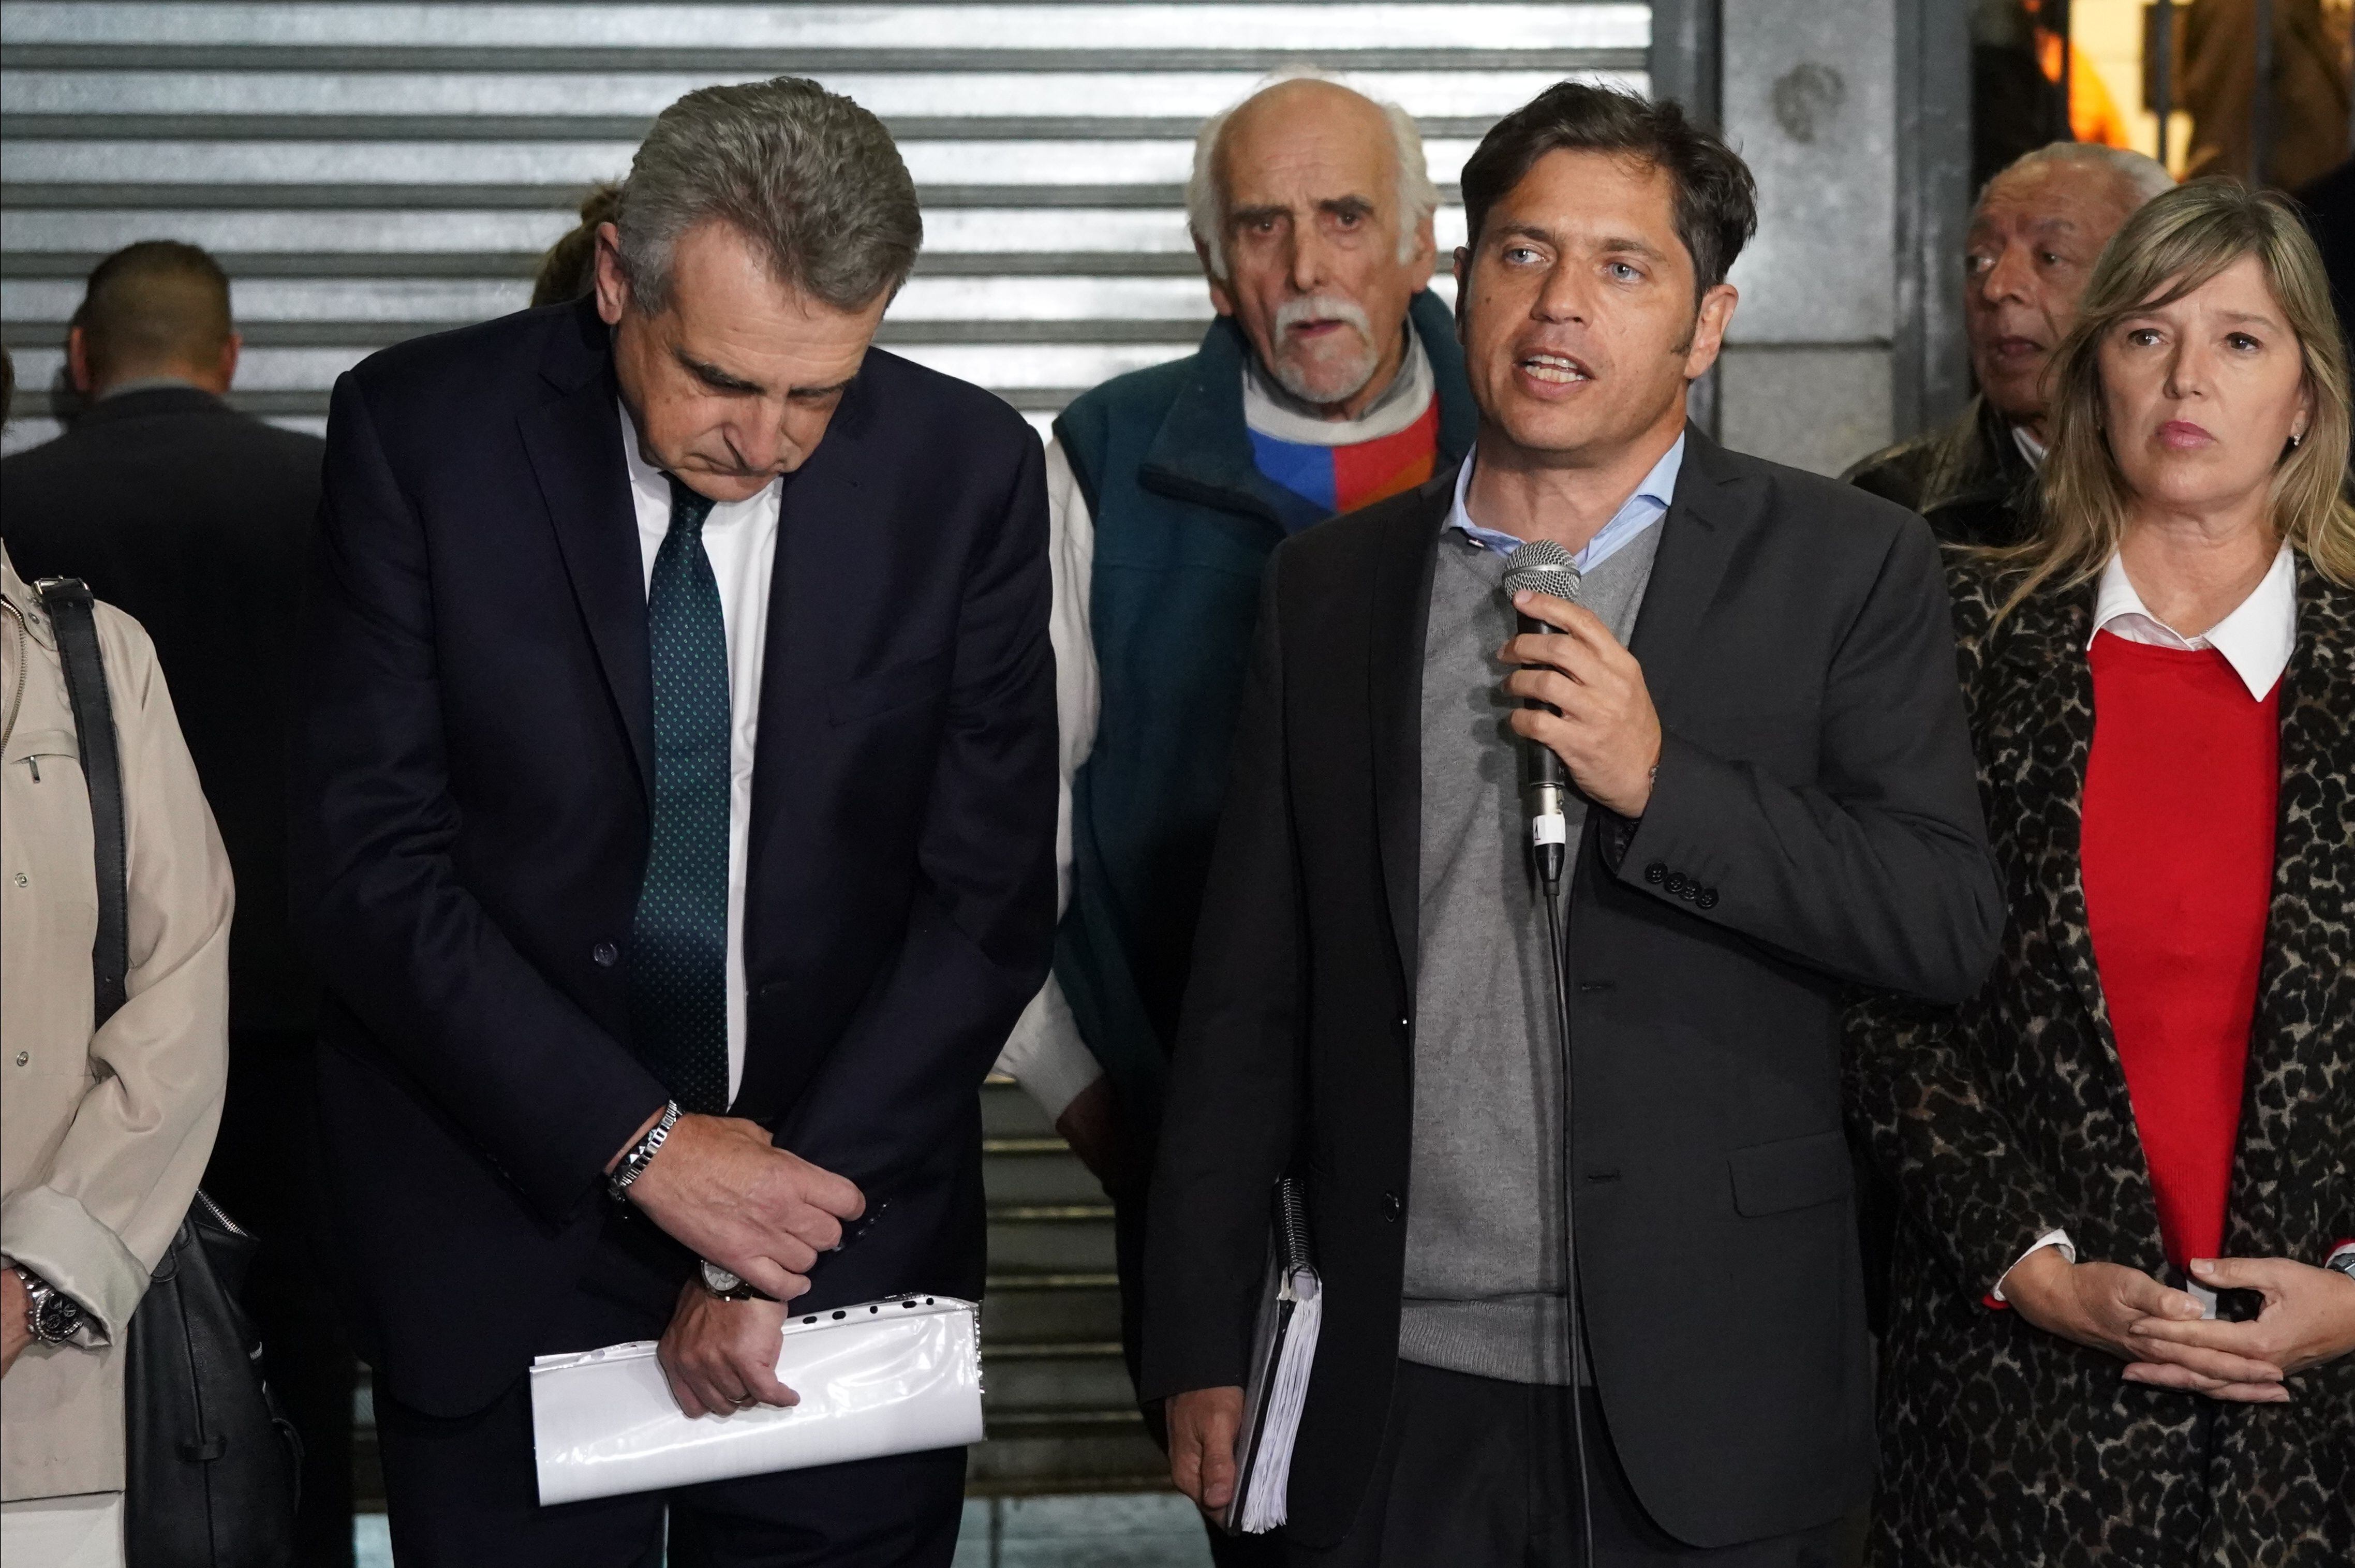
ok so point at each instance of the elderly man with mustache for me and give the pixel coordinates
(2034, 235)
(1330, 379)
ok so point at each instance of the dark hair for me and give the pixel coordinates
(569, 268)
(1717, 201)
(155, 303)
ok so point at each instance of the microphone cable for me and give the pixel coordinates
(1544, 565)
(1550, 859)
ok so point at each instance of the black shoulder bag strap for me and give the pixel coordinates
(211, 1468)
(68, 601)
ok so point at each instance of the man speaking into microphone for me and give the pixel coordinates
(1632, 1332)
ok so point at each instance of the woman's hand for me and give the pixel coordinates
(2308, 1318)
(2113, 1308)
(15, 1328)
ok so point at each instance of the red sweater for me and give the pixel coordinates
(2178, 856)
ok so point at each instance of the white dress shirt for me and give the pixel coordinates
(1045, 1053)
(739, 539)
(2256, 640)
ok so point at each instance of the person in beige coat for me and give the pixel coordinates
(104, 1133)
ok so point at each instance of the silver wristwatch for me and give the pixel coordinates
(2343, 1260)
(730, 1287)
(49, 1313)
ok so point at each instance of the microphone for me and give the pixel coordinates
(1541, 566)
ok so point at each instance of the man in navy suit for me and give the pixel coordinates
(674, 826)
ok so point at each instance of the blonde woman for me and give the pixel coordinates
(2123, 1305)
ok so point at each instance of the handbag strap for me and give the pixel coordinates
(68, 601)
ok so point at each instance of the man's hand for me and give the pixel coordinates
(1605, 731)
(1202, 1426)
(719, 1187)
(2108, 1306)
(15, 1328)
(2308, 1318)
(721, 1355)
(1092, 1124)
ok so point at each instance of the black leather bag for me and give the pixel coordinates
(212, 1466)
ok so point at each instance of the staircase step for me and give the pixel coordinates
(1080, 1377)
(1034, 1170)
(1039, 1307)
(1007, 1112)
(1050, 1238)
(1066, 1451)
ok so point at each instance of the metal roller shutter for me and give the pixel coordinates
(369, 172)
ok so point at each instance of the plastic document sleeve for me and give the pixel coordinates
(886, 1377)
(1284, 1349)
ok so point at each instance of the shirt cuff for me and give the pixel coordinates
(1046, 1055)
(2056, 1237)
(54, 1237)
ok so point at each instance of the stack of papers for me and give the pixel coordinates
(885, 1377)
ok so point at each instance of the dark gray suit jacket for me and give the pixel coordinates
(1815, 829)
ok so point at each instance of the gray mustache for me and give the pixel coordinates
(1320, 307)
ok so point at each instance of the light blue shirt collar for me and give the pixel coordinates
(1648, 506)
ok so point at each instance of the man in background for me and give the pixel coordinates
(196, 519)
(1330, 379)
(2034, 236)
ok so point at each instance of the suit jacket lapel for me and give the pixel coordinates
(2305, 981)
(575, 446)
(2060, 710)
(1713, 509)
(817, 550)
(1398, 602)
(2048, 731)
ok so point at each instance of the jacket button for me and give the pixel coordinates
(1675, 884)
(1393, 1207)
(1692, 893)
(1656, 872)
(1707, 899)
(606, 954)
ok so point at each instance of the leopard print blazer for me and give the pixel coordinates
(2002, 1444)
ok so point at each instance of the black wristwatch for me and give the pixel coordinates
(51, 1315)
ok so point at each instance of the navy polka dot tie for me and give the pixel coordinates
(679, 959)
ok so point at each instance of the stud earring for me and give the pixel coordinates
(2296, 440)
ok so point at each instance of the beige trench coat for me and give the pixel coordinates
(103, 1137)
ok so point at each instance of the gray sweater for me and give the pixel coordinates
(1484, 1279)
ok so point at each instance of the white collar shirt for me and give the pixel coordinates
(740, 540)
(2255, 638)
(1654, 494)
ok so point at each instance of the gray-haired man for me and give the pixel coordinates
(675, 812)
(2034, 236)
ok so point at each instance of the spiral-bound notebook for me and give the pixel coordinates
(1284, 1347)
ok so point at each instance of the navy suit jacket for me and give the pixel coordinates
(472, 772)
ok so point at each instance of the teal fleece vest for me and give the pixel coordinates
(1183, 525)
